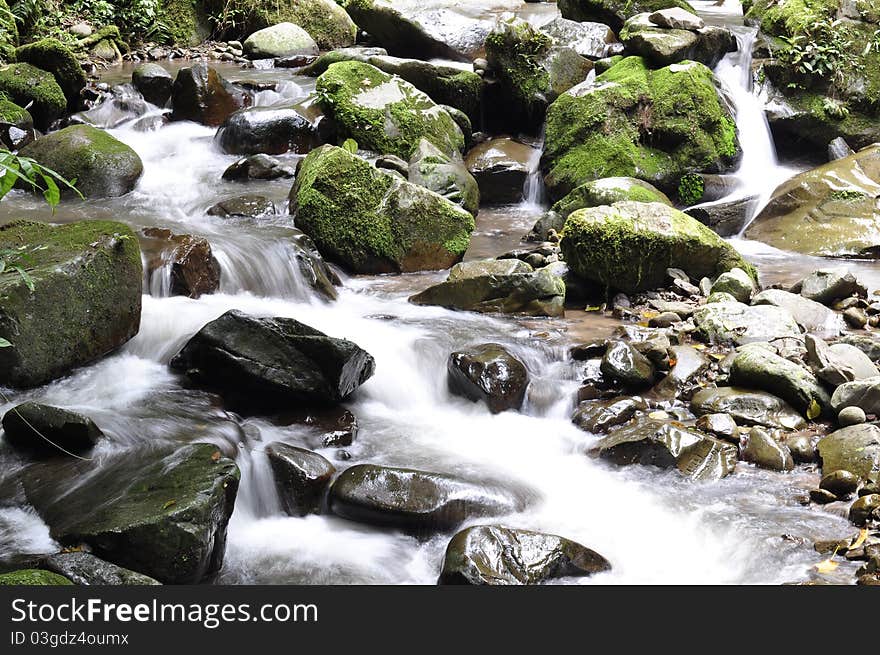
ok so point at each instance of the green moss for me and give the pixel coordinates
(12, 113)
(24, 84)
(691, 188)
(615, 12)
(791, 17)
(53, 56)
(607, 191)
(186, 21)
(8, 33)
(32, 577)
(847, 195)
(655, 125)
(384, 113)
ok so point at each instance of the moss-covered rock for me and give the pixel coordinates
(53, 56)
(532, 70)
(607, 191)
(187, 21)
(663, 46)
(24, 84)
(101, 165)
(32, 578)
(14, 115)
(8, 33)
(371, 221)
(281, 40)
(655, 125)
(445, 175)
(829, 211)
(614, 13)
(325, 21)
(86, 300)
(384, 113)
(163, 514)
(629, 245)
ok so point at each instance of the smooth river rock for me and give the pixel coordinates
(46, 430)
(748, 407)
(855, 449)
(488, 373)
(301, 477)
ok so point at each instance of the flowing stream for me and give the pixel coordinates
(653, 525)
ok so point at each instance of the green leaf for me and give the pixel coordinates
(28, 280)
(350, 145)
(813, 410)
(4, 343)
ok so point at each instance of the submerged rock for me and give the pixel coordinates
(85, 303)
(102, 166)
(748, 407)
(250, 205)
(273, 362)
(656, 125)
(165, 516)
(257, 167)
(488, 373)
(83, 568)
(669, 444)
(600, 243)
(487, 287)
(301, 477)
(495, 555)
(45, 430)
(271, 130)
(384, 113)
(371, 221)
(418, 501)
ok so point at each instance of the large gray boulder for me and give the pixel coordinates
(864, 393)
(810, 315)
(748, 407)
(281, 40)
(855, 449)
(838, 363)
(735, 322)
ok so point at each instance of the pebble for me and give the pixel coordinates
(851, 416)
(840, 483)
(822, 497)
(855, 317)
(665, 319)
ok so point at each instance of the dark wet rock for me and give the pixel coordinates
(271, 130)
(851, 416)
(86, 300)
(599, 416)
(526, 85)
(689, 364)
(801, 446)
(280, 40)
(761, 449)
(726, 218)
(864, 394)
(46, 430)
(370, 220)
(273, 362)
(747, 407)
(509, 287)
(51, 55)
(496, 555)
(720, 425)
(757, 368)
(417, 501)
(488, 373)
(668, 444)
(247, 206)
(393, 163)
(855, 449)
(445, 175)
(258, 167)
(421, 31)
(164, 515)
(384, 113)
(83, 568)
(822, 497)
(866, 509)
(598, 244)
(32, 578)
(824, 211)
(829, 285)
(301, 477)
(200, 94)
(841, 483)
(734, 322)
(194, 270)
(737, 283)
(664, 320)
(810, 315)
(839, 362)
(590, 40)
(622, 362)
(500, 167)
(101, 165)
(153, 82)
(664, 45)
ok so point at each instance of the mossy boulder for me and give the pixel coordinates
(614, 13)
(32, 87)
(16, 125)
(86, 300)
(607, 191)
(187, 21)
(384, 113)
(163, 514)
(629, 245)
(32, 578)
(325, 20)
(829, 211)
(423, 31)
(370, 220)
(631, 121)
(444, 175)
(532, 70)
(53, 56)
(281, 40)
(663, 46)
(102, 166)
